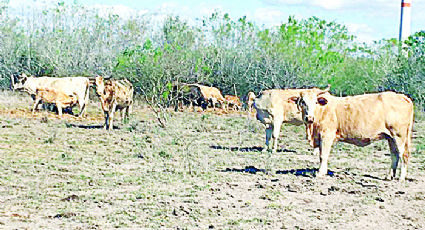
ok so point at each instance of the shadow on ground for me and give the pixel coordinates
(69, 125)
(308, 172)
(249, 149)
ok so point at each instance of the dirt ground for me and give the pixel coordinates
(204, 170)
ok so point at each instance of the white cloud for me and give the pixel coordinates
(120, 10)
(339, 4)
(328, 4)
(362, 31)
(269, 16)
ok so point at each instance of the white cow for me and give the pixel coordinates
(71, 86)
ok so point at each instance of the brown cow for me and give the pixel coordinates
(359, 120)
(114, 95)
(51, 95)
(212, 95)
(233, 101)
(277, 106)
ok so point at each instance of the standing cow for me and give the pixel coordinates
(359, 120)
(71, 86)
(114, 95)
(233, 102)
(51, 95)
(277, 106)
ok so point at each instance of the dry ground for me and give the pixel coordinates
(195, 174)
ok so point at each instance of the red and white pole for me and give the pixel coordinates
(405, 19)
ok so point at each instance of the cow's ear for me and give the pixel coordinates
(294, 99)
(322, 101)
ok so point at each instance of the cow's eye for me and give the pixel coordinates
(322, 101)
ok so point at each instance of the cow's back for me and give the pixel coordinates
(123, 92)
(369, 115)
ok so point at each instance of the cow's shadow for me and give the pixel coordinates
(69, 125)
(248, 149)
(306, 172)
(247, 169)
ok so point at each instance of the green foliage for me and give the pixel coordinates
(234, 55)
(408, 75)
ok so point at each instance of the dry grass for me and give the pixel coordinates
(70, 174)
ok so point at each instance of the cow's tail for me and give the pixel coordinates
(408, 143)
(86, 99)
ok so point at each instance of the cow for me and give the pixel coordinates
(233, 101)
(52, 95)
(71, 86)
(196, 94)
(277, 106)
(186, 94)
(211, 95)
(250, 101)
(360, 120)
(114, 95)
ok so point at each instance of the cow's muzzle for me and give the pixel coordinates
(308, 119)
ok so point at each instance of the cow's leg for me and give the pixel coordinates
(405, 154)
(111, 116)
(269, 132)
(59, 110)
(106, 120)
(81, 107)
(127, 112)
(399, 151)
(395, 156)
(325, 149)
(276, 131)
(316, 151)
(36, 103)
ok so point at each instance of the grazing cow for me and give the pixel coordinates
(186, 94)
(199, 95)
(233, 101)
(277, 106)
(250, 101)
(71, 86)
(51, 95)
(211, 95)
(359, 120)
(114, 95)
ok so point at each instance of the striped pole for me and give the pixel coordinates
(405, 19)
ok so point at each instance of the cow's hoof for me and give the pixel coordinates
(320, 175)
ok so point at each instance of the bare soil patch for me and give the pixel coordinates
(205, 170)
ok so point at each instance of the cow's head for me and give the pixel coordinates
(309, 101)
(18, 83)
(100, 85)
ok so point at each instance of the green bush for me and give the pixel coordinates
(235, 55)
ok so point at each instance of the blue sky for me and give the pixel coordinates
(367, 19)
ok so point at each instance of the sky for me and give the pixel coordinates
(368, 20)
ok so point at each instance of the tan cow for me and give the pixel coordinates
(114, 95)
(359, 120)
(71, 86)
(277, 106)
(212, 95)
(51, 95)
(250, 100)
(233, 101)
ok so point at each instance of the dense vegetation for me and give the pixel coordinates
(235, 55)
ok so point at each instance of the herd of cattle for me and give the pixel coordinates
(358, 120)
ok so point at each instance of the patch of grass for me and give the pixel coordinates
(274, 206)
(164, 154)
